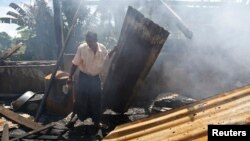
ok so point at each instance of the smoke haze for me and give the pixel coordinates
(215, 60)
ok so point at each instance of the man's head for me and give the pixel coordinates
(91, 39)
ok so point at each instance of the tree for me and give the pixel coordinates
(5, 40)
(44, 30)
(23, 18)
(100, 21)
(36, 23)
(69, 9)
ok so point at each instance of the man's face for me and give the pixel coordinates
(91, 42)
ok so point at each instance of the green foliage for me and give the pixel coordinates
(36, 30)
(26, 33)
(19, 55)
(5, 40)
(21, 17)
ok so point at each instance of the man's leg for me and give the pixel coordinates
(95, 105)
(73, 117)
(80, 101)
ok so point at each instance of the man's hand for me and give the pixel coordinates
(112, 51)
(69, 81)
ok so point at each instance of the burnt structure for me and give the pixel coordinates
(139, 44)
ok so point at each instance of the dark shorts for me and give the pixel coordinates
(88, 97)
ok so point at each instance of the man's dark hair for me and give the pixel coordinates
(91, 36)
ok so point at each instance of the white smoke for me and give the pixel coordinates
(216, 59)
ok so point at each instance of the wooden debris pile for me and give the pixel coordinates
(31, 130)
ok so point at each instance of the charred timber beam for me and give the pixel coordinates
(11, 52)
(47, 134)
(19, 119)
(58, 24)
(43, 137)
(39, 137)
(5, 135)
(179, 22)
(139, 44)
(34, 131)
(64, 45)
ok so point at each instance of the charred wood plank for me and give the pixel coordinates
(5, 135)
(139, 44)
(55, 131)
(38, 137)
(10, 52)
(34, 131)
(61, 134)
(47, 134)
(19, 119)
(43, 137)
(64, 45)
(58, 24)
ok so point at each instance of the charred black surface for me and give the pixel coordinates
(139, 45)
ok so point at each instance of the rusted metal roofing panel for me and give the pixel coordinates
(189, 122)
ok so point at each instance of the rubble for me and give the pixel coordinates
(189, 122)
(19, 119)
(171, 115)
(3, 122)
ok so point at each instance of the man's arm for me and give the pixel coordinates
(110, 54)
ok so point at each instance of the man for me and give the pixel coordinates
(89, 58)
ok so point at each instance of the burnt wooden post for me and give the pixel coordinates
(58, 24)
(64, 45)
(5, 135)
(139, 44)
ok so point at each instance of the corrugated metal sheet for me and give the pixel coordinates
(189, 122)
